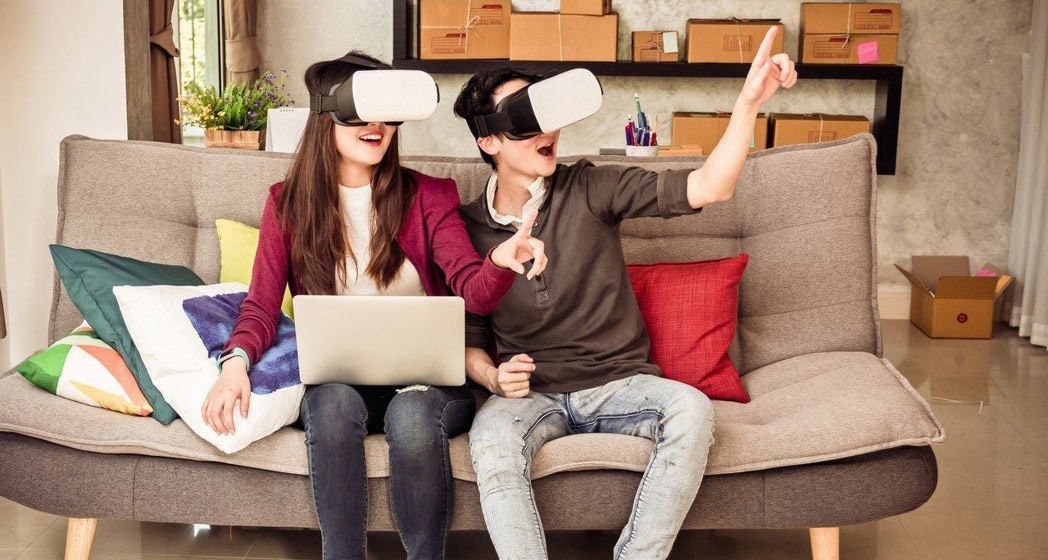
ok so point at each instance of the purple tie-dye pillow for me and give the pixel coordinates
(213, 318)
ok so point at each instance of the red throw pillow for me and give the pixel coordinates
(691, 311)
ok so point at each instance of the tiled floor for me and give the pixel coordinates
(992, 500)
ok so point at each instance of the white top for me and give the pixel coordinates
(538, 196)
(357, 211)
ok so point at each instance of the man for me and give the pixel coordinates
(575, 348)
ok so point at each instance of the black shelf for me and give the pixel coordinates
(887, 103)
(661, 69)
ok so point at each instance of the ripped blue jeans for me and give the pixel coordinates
(507, 432)
(418, 424)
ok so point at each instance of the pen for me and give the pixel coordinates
(640, 114)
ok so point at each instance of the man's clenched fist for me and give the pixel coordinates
(512, 378)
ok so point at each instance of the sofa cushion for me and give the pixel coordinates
(691, 311)
(803, 410)
(180, 332)
(238, 244)
(83, 368)
(89, 277)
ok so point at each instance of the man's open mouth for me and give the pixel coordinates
(547, 150)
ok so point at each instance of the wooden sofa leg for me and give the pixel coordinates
(825, 543)
(79, 535)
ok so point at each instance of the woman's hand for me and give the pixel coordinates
(521, 248)
(767, 73)
(232, 386)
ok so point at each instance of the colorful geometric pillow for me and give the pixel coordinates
(238, 244)
(83, 368)
(180, 332)
(691, 311)
(89, 277)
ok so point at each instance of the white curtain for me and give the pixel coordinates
(1028, 258)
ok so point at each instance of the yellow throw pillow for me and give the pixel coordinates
(238, 243)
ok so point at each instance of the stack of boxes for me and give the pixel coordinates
(840, 33)
(587, 30)
(583, 31)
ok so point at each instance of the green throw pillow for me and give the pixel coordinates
(89, 278)
(83, 368)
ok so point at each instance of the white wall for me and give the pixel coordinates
(62, 67)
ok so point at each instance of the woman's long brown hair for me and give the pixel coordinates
(309, 206)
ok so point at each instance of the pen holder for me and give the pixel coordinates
(642, 151)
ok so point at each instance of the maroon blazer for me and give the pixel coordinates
(433, 238)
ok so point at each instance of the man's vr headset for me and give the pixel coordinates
(544, 106)
(378, 94)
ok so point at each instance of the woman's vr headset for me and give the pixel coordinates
(544, 106)
(378, 94)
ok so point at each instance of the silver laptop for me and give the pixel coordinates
(381, 340)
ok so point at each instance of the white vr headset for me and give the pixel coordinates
(378, 95)
(544, 106)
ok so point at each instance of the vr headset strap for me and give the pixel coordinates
(488, 125)
(323, 103)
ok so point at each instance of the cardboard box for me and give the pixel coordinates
(706, 129)
(553, 36)
(789, 128)
(726, 40)
(837, 18)
(656, 46)
(946, 301)
(464, 29)
(850, 49)
(680, 150)
(585, 7)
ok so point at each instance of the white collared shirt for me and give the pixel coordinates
(538, 196)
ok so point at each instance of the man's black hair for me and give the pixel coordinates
(477, 97)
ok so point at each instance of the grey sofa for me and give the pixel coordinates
(834, 435)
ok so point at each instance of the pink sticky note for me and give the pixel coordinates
(867, 52)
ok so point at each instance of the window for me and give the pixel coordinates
(201, 51)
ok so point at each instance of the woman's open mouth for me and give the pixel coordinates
(371, 139)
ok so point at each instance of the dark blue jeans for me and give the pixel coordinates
(418, 425)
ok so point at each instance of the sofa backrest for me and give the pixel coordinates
(805, 214)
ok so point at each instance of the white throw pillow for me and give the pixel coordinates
(180, 332)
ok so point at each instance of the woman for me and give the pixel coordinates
(348, 219)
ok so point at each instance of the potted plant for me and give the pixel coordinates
(236, 118)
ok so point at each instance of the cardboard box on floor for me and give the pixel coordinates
(729, 40)
(788, 128)
(946, 301)
(850, 49)
(656, 46)
(585, 7)
(680, 150)
(461, 29)
(843, 18)
(553, 36)
(706, 129)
